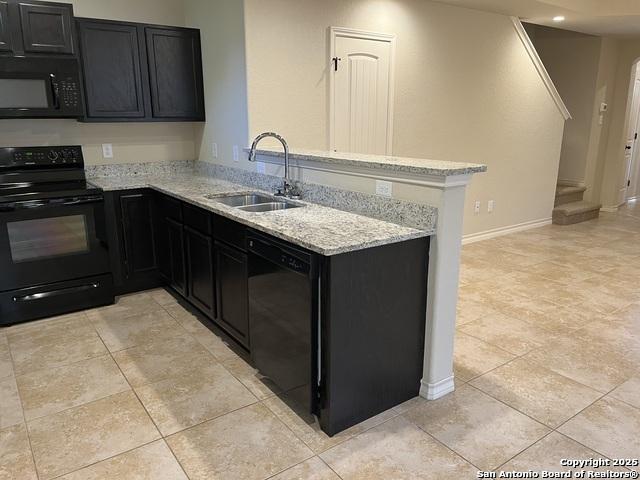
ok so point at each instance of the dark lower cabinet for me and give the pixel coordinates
(232, 282)
(177, 266)
(200, 271)
(132, 244)
(5, 34)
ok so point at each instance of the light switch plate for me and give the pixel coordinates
(236, 153)
(261, 167)
(214, 150)
(476, 207)
(107, 150)
(491, 205)
(384, 188)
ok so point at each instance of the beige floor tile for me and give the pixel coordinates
(609, 427)
(473, 357)
(6, 365)
(55, 345)
(248, 444)
(10, 405)
(46, 392)
(396, 450)
(481, 429)
(126, 332)
(189, 320)
(593, 365)
(127, 306)
(150, 462)
(470, 310)
(548, 453)
(312, 469)
(515, 336)
(538, 392)
(157, 361)
(16, 461)
(52, 324)
(162, 297)
(629, 392)
(257, 384)
(562, 273)
(307, 428)
(203, 393)
(83, 435)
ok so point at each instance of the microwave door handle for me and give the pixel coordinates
(54, 91)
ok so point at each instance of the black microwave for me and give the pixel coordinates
(40, 88)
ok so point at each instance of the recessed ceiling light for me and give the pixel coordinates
(559, 18)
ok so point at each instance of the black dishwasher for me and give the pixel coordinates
(283, 316)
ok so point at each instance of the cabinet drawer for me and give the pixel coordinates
(231, 232)
(170, 208)
(197, 218)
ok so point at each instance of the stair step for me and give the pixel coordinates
(568, 194)
(575, 212)
(568, 190)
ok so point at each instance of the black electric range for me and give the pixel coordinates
(53, 249)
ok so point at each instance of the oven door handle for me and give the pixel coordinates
(30, 204)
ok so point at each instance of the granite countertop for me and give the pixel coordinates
(323, 230)
(420, 166)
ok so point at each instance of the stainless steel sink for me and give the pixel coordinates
(269, 207)
(242, 200)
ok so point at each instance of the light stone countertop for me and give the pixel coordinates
(420, 166)
(323, 230)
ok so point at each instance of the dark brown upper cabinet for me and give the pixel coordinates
(175, 72)
(112, 73)
(47, 27)
(138, 72)
(5, 34)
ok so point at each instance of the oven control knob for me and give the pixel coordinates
(52, 155)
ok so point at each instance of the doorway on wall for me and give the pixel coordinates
(632, 142)
(361, 91)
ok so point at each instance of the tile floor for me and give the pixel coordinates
(547, 364)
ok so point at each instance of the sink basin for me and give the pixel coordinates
(242, 200)
(268, 207)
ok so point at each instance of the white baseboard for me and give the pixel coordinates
(433, 391)
(570, 183)
(498, 232)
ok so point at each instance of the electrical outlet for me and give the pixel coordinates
(384, 188)
(476, 208)
(261, 167)
(214, 150)
(236, 153)
(107, 150)
(491, 205)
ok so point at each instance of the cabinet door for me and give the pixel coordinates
(200, 271)
(232, 282)
(111, 64)
(137, 233)
(47, 27)
(175, 73)
(178, 274)
(5, 35)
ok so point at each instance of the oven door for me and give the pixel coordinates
(52, 240)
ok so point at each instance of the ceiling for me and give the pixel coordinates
(596, 17)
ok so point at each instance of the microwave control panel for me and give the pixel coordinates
(68, 90)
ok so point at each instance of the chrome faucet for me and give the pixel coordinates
(288, 189)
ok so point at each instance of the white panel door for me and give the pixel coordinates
(631, 146)
(362, 95)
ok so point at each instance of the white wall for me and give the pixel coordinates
(613, 169)
(572, 60)
(466, 90)
(132, 142)
(221, 25)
